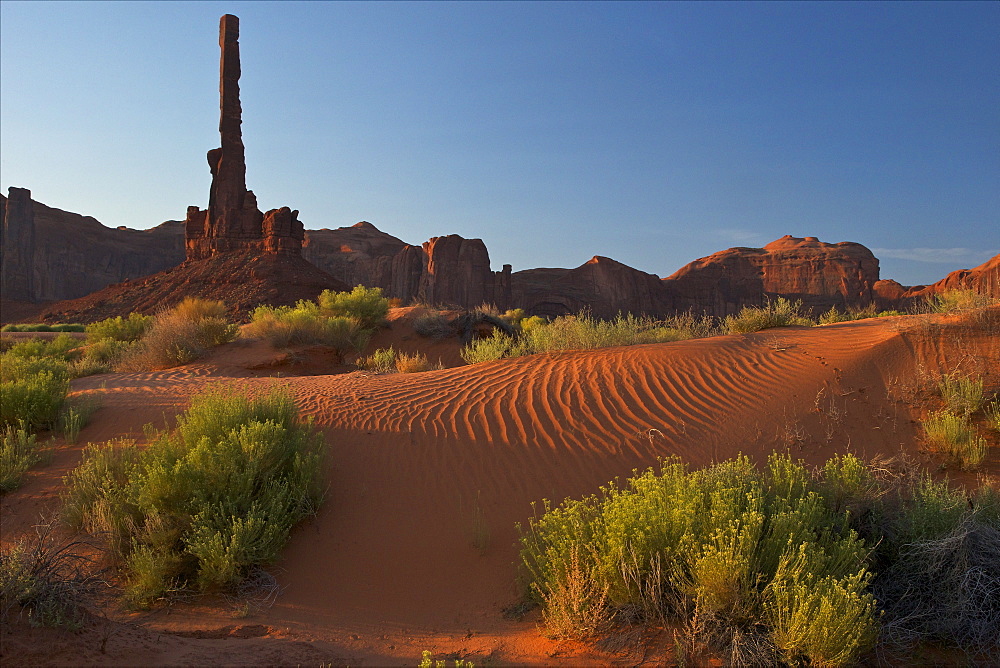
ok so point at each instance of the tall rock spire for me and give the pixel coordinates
(233, 221)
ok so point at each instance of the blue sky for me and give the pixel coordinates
(653, 133)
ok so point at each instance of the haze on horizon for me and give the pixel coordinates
(652, 133)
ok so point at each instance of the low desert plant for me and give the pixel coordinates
(129, 329)
(302, 324)
(180, 335)
(993, 415)
(957, 301)
(778, 313)
(871, 311)
(19, 451)
(367, 305)
(62, 348)
(427, 661)
(413, 363)
(956, 436)
(43, 327)
(32, 390)
(383, 360)
(46, 579)
(204, 503)
(962, 394)
(730, 544)
(494, 347)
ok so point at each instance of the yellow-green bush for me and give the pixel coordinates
(302, 324)
(180, 335)
(778, 313)
(19, 451)
(128, 329)
(367, 305)
(736, 544)
(203, 503)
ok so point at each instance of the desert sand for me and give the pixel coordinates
(415, 546)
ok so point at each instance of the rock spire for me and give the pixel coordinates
(232, 220)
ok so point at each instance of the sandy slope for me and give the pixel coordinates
(415, 546)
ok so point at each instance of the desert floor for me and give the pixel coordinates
(429, 474)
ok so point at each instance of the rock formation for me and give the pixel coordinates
(232, 221)
(984, 279)
(820, 274)
(601, 285)
(18, 244)
(51, 254)
(444, 270)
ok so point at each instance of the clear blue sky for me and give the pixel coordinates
(653, 133)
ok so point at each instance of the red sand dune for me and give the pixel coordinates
(388, 567)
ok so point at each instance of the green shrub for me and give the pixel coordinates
(962, 394)
(32, 390)
(414, 363)
(129, 329)
(957, 301)
(427, 661)
(19, 451)
(734, 544)
(62, 348)
(955, 436)
(42, 327)
(203, 503)
(834, 316)
(993, 415)
(583, 332)
(180, 335)
(284, 326)
(778, 313)
(383, 360)
(367, 305)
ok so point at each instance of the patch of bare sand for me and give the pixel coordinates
(416, 547)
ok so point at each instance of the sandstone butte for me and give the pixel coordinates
(235, 252)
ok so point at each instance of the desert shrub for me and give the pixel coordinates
(46, 579)
(993, 415)
(957, 301)
(871, 311)
(582, 332)
(956, 436)
(367, 305)
(180, 335)
(303, 324)
(433, 325)
(514, 316)
(19, 451)
(129, 329)
(32, 390)
(201, 504)
(415, 363)
(42, 327)
(62, 347)
(494, 347)
(961, 394)
(427, 661)
(730, 543)
(778, 313)
(383, 360)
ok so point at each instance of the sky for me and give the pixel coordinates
(651, 133)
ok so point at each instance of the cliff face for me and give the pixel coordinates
(50, 254)
(820, 274)
(444, 270)
(602, 285)
(984, 279)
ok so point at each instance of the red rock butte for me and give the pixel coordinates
(232, 221)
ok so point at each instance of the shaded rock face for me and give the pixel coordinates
(18, 244)
(602, 285)
(232, 221)
(444, 270)
(50, 254)
(820, 274)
